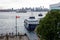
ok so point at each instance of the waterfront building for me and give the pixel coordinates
(55, 6)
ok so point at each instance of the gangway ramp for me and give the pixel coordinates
(31, 35)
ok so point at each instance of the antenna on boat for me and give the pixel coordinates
(32, 14)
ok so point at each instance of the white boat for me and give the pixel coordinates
(31, 23)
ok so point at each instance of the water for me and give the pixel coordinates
(8, 21)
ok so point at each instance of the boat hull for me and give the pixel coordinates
(31, 27)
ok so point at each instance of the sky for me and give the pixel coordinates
(26, 3)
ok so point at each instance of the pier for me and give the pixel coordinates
(25, 36)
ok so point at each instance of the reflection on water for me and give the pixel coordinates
(8, 21)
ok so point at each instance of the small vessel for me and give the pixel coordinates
(40, 16)
(31, 23)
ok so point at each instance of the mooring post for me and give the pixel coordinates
(7, 37)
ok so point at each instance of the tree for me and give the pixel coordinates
(49, 26)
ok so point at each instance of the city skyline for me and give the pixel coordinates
(4, 4)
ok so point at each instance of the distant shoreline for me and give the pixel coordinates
(23, 11)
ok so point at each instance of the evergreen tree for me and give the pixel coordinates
(49, 26)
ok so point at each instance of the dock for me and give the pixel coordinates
(31, 35)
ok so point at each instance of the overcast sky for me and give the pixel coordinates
(26, 3)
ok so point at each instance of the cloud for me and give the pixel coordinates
(26, 3)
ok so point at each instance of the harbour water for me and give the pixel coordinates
(8, 21)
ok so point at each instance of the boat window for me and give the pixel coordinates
(40, 15)
(31, 17)
(34, 21)
(33, 25)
